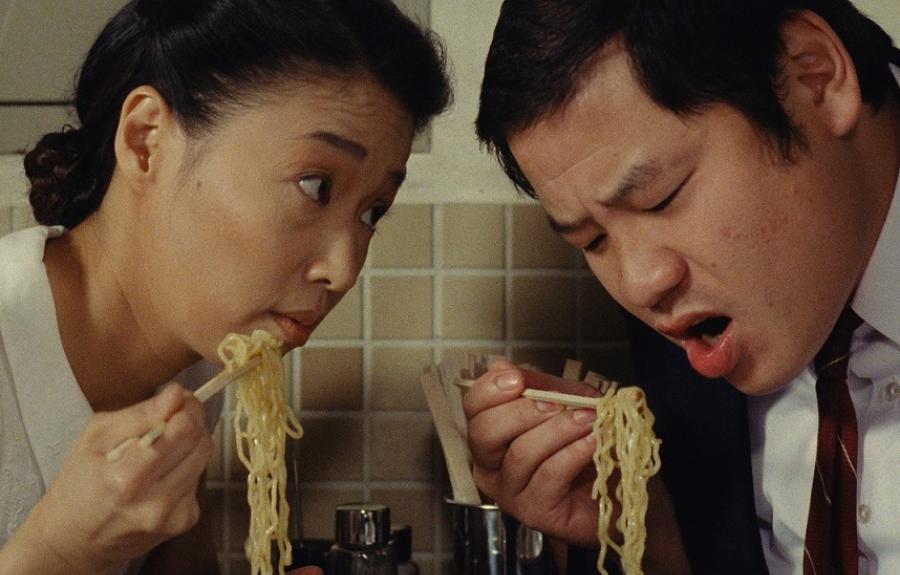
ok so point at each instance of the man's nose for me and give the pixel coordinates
(650, 275)
(338, 261)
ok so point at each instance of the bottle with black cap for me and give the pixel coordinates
(401, 540)
(362, 541)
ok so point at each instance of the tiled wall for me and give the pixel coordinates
(441, 281)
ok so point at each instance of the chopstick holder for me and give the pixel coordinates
(204, 392)
(453, 444)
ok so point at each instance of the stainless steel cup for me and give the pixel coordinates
(489, 542)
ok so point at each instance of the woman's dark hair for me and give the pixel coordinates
(205, 57)
(685, 55)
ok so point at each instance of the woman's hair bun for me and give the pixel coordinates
(49, 167)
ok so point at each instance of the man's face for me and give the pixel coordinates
(698, 227)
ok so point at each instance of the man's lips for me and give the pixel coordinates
(712, 354)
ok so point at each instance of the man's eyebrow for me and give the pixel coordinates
(638, 176)
(353, 148)
(564, 228)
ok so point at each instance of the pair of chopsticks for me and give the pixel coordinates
(566, 399)
(204, 392)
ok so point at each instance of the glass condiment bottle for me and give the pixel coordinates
(362, 541)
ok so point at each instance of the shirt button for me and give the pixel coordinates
(863, 513)
(893, 391)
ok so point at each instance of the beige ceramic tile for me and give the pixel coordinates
(613, 363)
(239, 518)
(401, 307)
(23, 126)
(5, 221)
(551, 360)
(401, 446)
(319, 504)
(426, 566)
(215, 507)
(215, 469)
(413, 507)
(345, 320)
(601, 318)
(331, 379)
(473, 307)
(395, 378)
(534, 244)
(404, 238)
(473, 236)
(22, 217)
(543, 308)
(331, 449)
(460, 355)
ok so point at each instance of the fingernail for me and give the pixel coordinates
(584, 415)
(590, 438)
(507, 381)
(547, 406)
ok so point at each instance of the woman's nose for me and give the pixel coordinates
(650, 275)
(338, 262)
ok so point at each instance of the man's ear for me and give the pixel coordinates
(819, 72)
(147, 127)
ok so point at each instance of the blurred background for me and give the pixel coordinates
(461, 265)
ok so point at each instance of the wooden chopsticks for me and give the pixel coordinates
(204, 392)
(566, 399)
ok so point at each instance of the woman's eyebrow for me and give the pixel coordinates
(352, 147)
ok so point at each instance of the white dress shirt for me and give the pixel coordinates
(42, 408)
(784, 426)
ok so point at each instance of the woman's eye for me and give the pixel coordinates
(318, 188)
(371, 216)
(594, 243)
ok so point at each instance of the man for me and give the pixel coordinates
(729, 170)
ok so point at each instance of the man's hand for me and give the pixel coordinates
(533, 458)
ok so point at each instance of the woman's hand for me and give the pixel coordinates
(534, 459)
(99, 514)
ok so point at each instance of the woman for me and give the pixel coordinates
(232, 161)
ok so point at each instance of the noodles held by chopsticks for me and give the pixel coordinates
(262, 419)
(625, 441)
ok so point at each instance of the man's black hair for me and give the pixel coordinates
(686, 54)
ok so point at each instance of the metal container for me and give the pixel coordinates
(362, 541)
(489, 542)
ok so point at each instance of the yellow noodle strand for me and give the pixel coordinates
(625, 441)
(262, 419)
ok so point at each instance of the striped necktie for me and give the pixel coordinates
(831, 539)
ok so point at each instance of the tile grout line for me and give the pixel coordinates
(508, 238)
(366, 311)
(227, 458)
(437, 262)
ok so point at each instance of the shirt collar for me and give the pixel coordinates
(53, 407)
(876, 299)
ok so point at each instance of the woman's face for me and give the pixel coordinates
(269, 224)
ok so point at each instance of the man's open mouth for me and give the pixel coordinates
(710, 329)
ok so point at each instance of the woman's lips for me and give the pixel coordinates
(716, 358)
(294, 333)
